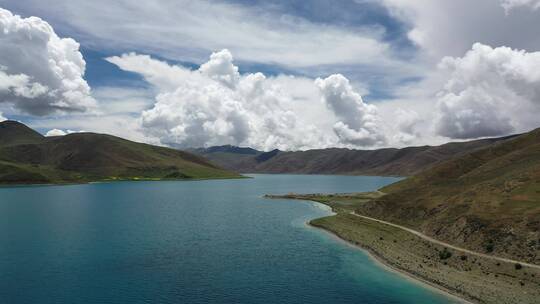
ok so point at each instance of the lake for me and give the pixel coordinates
(214, 241)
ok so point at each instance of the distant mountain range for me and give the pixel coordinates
(27, 157)
(487, 200)
(390, 161)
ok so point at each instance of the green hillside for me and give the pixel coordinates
(487, 200)
(13, 133)
(28, 157)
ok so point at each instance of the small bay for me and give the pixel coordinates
(214, 241)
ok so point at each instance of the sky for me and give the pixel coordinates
(289, 74)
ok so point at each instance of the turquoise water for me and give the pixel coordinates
(187, 242)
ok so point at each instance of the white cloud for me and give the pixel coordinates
(209, 113)
(449, 28)
(489, 92)
(508, 5)
(485, 92)
(40, 73)
(158, 73)
(221, 68)
(215, 105)
(118, 114)
(2, 118)
(472, 113)
(118, 124)
(408, 129)
(359, 122)
(187, 30)
(58, 132)
(55, 132)
(123, 100)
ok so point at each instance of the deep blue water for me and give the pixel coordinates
(187, 242)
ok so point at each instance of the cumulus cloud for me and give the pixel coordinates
(489, 92)
(2, 118)
(407, 123)
(215, 105)
(55, 132)
(58, 132)
(221, 69)
(205, 114)
(40, 73)
(486, 92)
(359, 122)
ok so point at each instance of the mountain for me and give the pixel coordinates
(391, 161)
(12, 132)
(28, 157)
(487, 200)
(229, 157)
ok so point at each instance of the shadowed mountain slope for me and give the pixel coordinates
(28, 157)
(403, 162)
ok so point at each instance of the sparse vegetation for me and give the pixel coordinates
(480, 279)
(445, 254)
(479, 196)
(490, 246)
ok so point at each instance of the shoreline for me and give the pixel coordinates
(22, 185)
(329, 174)
(464, 277)
(384, 263)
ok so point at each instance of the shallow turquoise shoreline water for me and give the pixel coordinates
(215, 241)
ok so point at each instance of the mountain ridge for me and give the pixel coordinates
(387, 161)
(29, 157)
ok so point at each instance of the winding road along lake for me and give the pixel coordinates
(215, 241)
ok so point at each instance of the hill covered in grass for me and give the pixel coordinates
(27, 157)
(469, 225)
(487, 200)
(390, 161)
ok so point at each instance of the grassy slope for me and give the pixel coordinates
(84, 157)
(12, 132)
(487, 200)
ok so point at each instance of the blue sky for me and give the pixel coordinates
(402, 70)
(346, 14)
(350, 15)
